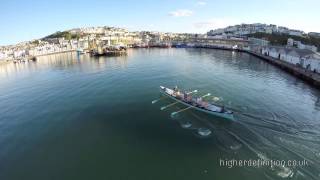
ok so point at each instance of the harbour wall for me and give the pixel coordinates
(304, 74)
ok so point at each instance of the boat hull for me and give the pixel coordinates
(228, 116)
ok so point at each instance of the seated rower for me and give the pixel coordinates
(205, 104)
(199, 100)
(189, 98)
(185, 95)
(222, 109)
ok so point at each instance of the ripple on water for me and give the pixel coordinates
(276, 114)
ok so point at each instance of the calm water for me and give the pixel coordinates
(70, 117)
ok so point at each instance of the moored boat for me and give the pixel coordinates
(197, 103)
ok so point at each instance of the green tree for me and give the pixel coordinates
(68, 36)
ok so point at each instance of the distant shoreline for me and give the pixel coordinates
(2, 62)
(307, 76)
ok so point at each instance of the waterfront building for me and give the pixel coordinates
(259, 42)
(219, 43)
(19, 53)
(3, 56)
(304, 58)
(292, 43)
(309, 47)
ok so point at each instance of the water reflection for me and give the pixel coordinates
(101, 106)
(83, 63)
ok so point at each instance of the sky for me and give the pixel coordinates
(23, 20)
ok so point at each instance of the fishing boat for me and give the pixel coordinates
(197, 103)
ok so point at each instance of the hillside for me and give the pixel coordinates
(64, 34)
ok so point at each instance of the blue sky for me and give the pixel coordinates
(23, 20)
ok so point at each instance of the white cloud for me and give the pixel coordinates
(181, 13)
(201, 3)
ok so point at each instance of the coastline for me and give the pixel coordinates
(301, 73)
(308, 76)
(60, 52)
(3, 62)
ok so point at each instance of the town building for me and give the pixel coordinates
(258, 42)
(245, 29)
(314, 34)
(304, 58)
(298, 44)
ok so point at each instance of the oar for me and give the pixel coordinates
(154, 101)
(206, 95)
(194, 91)
(165, 107)
(215, 98)
(174, 113)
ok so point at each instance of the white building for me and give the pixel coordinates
(293, 32)
(18, 53)
(309, 47)
(292, 43)
(3, 55)
(301, 57)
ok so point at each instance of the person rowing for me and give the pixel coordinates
(185, 96)
(197, 103)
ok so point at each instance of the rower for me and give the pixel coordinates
(199, 100)
(185, 95)
(189, 98)
(222, 109)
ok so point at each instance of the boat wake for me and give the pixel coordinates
(260, 134)
(272, 143)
